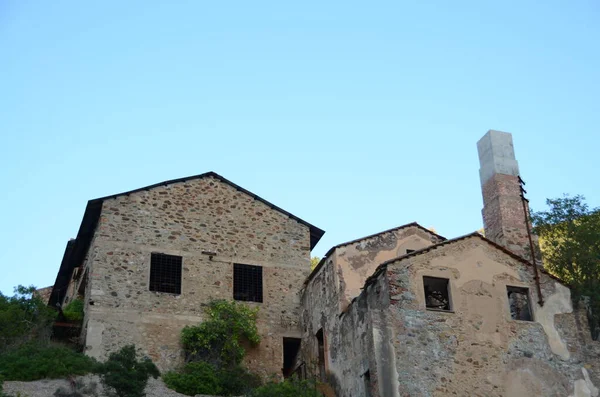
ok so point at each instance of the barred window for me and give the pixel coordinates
(247, 283)
(165, 273)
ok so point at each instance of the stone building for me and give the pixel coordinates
(146, 261)
(404, 312)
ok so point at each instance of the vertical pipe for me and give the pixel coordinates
(536, 274)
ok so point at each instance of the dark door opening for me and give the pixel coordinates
(321, 344)
(291, 347)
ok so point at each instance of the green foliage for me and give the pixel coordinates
(195, 378)
(288, 388)
(123, 375)
(34, 361)
(203, 378)
(24, 317)
(74, 310)
(570, 242)
(237, 381)
(219, 339)
(314, 261)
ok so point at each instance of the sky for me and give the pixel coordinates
(354, 116)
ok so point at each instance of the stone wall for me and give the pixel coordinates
(477, 349)
(185, 219)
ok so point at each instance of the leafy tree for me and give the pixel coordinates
(569, 234)
(219, 340)
(123, 375)
(314, 261)
(24, 317)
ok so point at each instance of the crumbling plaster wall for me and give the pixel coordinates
(477, 349)
(356, 341)
(357, 261)
(184, 219)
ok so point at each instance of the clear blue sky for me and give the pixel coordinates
(355, 116)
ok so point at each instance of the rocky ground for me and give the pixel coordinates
(47, 387)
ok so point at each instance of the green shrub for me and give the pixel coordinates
(74, 310)
(287, 388)
(237, 381)
(195, 378)
(203, 378)
(218, 340)
(24, 317)
(33, 361)
(123, 375)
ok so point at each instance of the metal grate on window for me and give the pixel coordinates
(247, 283)
(165, 273)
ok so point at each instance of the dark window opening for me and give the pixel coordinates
(518, 301)
(247, 283)
(437, 293)
(165, 273)
(321, 346)
(367, 382)
(409, 251)
(291, 347)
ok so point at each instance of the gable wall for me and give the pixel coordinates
(185, 219)
(478, 349)
(357, 261)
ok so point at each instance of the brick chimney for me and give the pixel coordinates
(503, 217)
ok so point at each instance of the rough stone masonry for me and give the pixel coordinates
(403, 312)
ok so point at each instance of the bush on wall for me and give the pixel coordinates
(218, 340)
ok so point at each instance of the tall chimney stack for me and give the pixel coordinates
(503, 216)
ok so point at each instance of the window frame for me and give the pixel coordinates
(525, 291)
(236, 296)
(448, 291)
(150, 284)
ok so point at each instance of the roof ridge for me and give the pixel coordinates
(330, 251)
(384, 264)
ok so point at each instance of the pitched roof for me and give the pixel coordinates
(383, 265)
(412, 224)
(76, 249)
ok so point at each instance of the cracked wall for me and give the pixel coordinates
(477, 349)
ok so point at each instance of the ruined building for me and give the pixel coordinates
(404, 312)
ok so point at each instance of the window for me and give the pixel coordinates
(518, 302)
(247, 283)
(165, 273)
(437, 293)
(409, 251)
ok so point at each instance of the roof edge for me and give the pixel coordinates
(454, 240)
(315, 232)
(330, 251)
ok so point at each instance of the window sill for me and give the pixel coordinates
(429, 309)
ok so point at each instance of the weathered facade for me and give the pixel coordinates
(404, 312)
(408, 313)
(212, 226)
